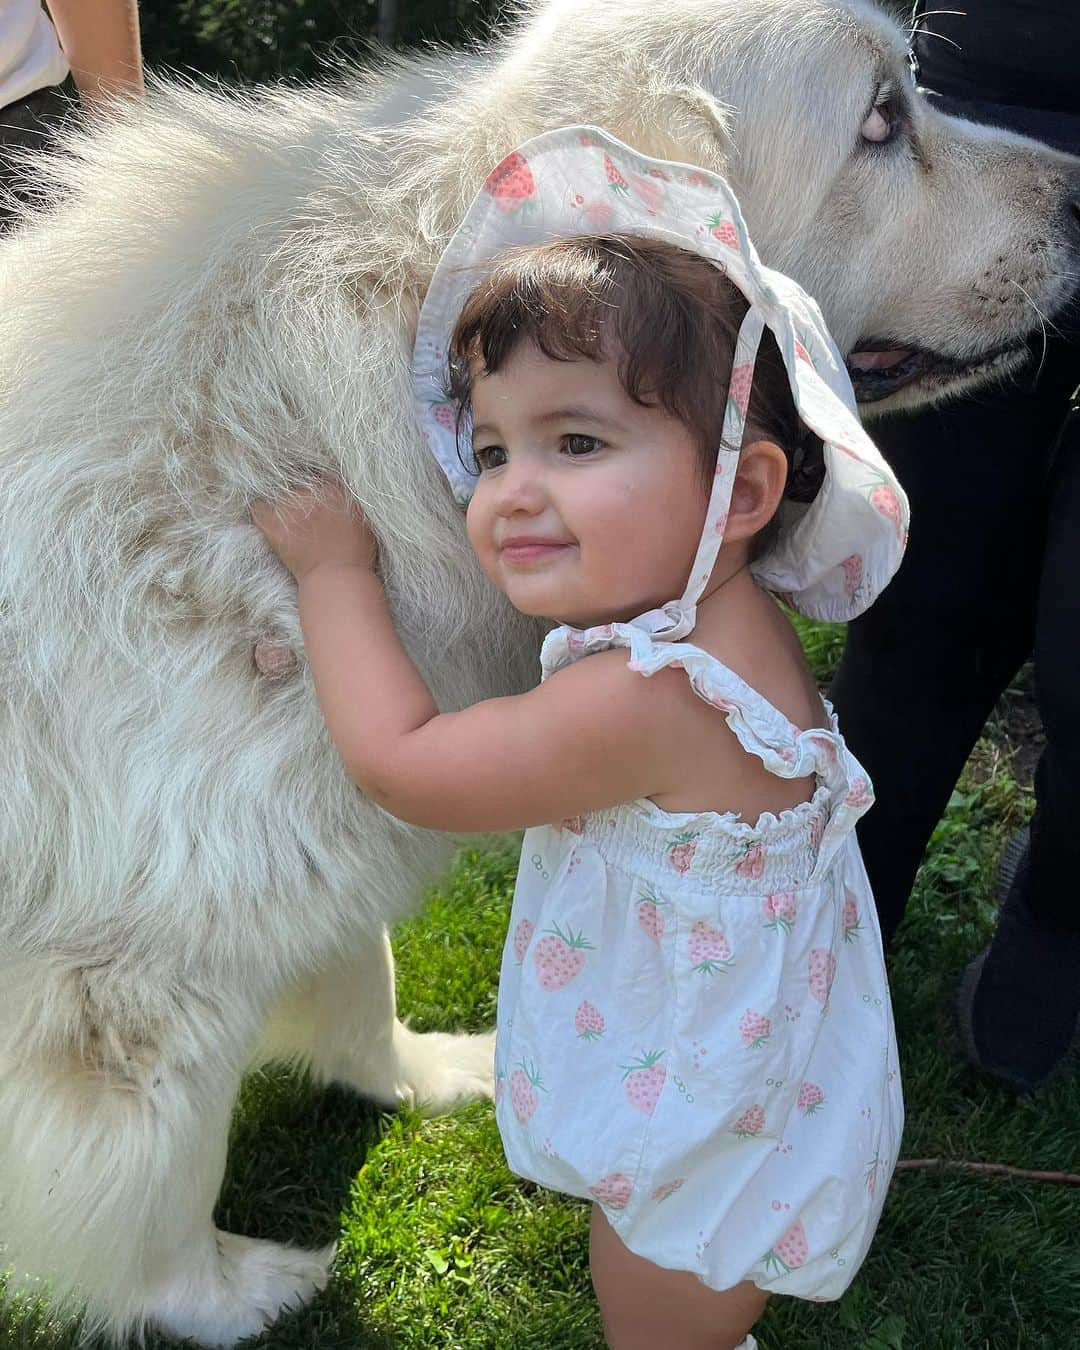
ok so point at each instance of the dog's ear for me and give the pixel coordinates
(683, 122)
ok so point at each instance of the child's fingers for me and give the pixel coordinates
(285, 514)
(325, 493)
(262, 513)
(330, 492)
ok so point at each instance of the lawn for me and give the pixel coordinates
(441, 1247)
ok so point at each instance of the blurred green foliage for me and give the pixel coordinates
(252, 40)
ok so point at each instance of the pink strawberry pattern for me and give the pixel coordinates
(446, 414)
(822, 971)
(781, 909)
(750, 1123)
(666, 1188)
(742, 379)
(852, 567)
(650, 193)
(644, 1080)
(681, 851)
(708, 949)
(524, 1098)
(650, 917)
(859, 793)
(559, 957)
(852, 926)
(751, 866)
(722, 229)
(598, 215)
(614, 1190)
(790, 1252)
(511, 184)
(754, 1029)
(810, 1099)
(588, 1022)
(616, 181)
(522, 937)
(884, 500)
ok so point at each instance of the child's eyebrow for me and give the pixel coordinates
(579, 414)
(568, 414)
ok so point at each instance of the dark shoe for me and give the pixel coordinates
(1012, 855)
(1019, 1000)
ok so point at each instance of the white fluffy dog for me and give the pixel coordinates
(220, 301)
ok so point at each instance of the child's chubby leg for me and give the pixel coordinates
(645, 1306)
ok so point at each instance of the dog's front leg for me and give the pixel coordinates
(343, 1023)
(115, 1099)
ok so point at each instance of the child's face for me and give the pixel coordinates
(589, 507)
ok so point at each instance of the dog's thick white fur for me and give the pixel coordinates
(219, 302)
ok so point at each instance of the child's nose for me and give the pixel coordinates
(521, 487)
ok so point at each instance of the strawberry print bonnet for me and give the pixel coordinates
(832, 556)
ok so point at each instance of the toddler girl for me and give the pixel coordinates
(694, 1027)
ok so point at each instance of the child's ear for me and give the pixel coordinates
(759, 485)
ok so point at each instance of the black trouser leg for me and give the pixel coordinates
(1019, 1001)
(924, 667)
(28, 125)
(1054, 885)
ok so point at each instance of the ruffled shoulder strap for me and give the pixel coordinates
(760, 727)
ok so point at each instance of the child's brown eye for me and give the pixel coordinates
(576, 446)
(489, 457)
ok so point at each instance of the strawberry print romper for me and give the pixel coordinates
(694, 1025)
(694, 1021)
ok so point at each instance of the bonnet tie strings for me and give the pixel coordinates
(675, 619)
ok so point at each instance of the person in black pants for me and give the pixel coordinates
(992, 575)
(97, 40)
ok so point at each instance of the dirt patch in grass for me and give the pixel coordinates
(1014, 732)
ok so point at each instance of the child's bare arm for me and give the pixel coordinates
(577, 743)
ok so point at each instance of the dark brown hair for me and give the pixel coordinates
(668, 317)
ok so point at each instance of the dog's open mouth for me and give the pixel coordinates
(878, 369)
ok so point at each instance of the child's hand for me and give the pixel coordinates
(316, 527)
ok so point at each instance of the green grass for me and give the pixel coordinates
(441, 1247)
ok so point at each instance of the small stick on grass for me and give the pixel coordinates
(1002, 1169)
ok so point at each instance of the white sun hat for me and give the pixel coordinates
(831, 557)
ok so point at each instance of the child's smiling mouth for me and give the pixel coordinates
(521, 550)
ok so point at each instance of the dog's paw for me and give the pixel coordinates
(440, 1071)
(250, 1285)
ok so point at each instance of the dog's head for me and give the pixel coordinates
(935, 247)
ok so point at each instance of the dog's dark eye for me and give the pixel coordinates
(878, 126)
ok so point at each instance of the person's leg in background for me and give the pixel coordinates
(1055, 836)
(28, 125)
(1020, 999)
(923, 668)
